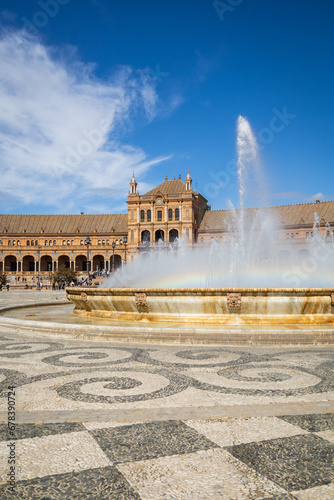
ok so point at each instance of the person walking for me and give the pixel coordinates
(7, 286)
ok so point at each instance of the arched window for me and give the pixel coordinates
(159, 235)
(64, 242)
(50, 243)
(54, 242)
(36, 243)
(72, 242)
(14, 243)
(0, 242)
(9, 243)
(107, 242)
(173, 235)
(68, 242)
(177, 214)
(142, 216)
(81, 242)
(32, 243)
(170, 214)
(99, 242)
(28, 243)
(46, 243)
(145, 237)
(149, 215)
(103, 242)
(18, 243)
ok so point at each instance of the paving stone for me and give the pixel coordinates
(150, 440)
(97, 483)
(312, 423)
(24, 431)
(295, 463)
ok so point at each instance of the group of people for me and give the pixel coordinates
(58, 286)
(7, 286)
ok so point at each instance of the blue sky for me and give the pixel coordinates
(92, 89)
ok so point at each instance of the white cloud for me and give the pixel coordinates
(59, 140)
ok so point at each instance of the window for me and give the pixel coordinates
(0, 242)
(107, 242)
(132, 235)
(177, 214)
(142, 216)
(46, 243)
(54, 243)
(81, 242)
(9, 243)
(28, 243)
(36, 243)
(99, 242)
(64, 242)
(103, 242)
(50, 243)
(72, 243)
(148, 214)
(159, 215)
(292, 236)
(32, 243)
(14, 243)
(68, 242)
(170, 214)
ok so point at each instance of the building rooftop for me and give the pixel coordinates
(288, 215)
(174, 187)
(66, 224)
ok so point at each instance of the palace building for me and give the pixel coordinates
(36, 245)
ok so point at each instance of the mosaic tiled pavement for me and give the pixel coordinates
(147, 421)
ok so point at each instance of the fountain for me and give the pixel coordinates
(237, 281)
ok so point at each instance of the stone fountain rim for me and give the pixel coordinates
(125, 291)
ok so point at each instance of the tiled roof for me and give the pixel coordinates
(168, 187)
(286, 215)
(67, 224)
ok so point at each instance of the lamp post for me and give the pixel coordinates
(88, 242)
(125, 240)
(113, 255)
(38, 261)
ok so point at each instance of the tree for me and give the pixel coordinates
(3, 278)
(65, 275)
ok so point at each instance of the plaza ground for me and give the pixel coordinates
(147, 421)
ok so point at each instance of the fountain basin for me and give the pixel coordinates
(218, 306)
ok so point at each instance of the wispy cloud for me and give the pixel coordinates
(59, 140)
